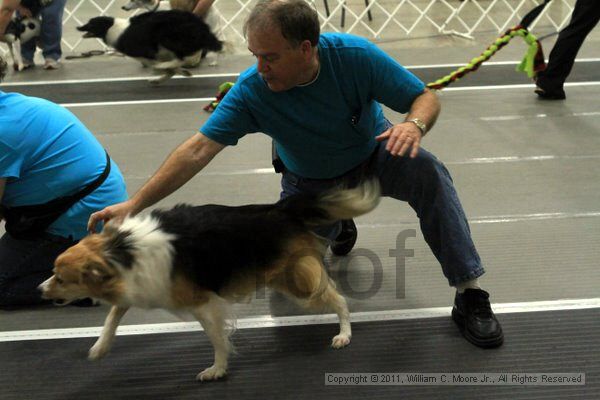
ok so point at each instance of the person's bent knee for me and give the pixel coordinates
(430, 168)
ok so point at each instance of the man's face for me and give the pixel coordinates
(281, 65)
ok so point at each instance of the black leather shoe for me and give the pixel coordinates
(345, 241)
(550, 94)
(476, 320)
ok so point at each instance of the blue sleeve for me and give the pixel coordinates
(231, 120)
(391, 83)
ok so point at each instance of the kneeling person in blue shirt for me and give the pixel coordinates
(318, 96)
(46, 154)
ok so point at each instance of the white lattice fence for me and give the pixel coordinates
(375, 19)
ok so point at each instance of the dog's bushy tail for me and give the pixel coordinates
(333, 205)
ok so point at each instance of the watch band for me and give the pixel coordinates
(420, 124)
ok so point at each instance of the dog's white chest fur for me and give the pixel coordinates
(148, 282)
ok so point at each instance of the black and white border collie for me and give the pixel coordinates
(21, 30)
(211, 18)
(163, 40)
(201, 259)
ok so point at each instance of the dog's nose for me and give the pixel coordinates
(44, 286)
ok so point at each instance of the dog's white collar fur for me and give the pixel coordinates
(115, 31)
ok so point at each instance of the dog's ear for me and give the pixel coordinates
(96, 273)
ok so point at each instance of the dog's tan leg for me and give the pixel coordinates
(332, 300)
(212, 317)
(104, 342)
(307, 281)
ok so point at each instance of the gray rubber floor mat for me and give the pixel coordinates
(291, 362)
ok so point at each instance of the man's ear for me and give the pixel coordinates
(306, 47)
(96, 273)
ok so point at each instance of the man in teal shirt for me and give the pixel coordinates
(318, 96)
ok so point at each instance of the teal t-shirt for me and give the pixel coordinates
(328, 127)
(46, 153)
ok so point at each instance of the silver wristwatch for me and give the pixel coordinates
(420, 124)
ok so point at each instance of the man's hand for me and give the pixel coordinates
(401, 138)
(116, 212)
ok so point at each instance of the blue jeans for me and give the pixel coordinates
(24, 264)
(51, 33)
(423, 182)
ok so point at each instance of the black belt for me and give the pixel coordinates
(31, 221)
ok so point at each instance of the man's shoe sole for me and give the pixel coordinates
(489, 343)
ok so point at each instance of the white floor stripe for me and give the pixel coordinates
(204, 99)
(509, 159)
(496, 219)
(487, 63)
(517, 117)
(269, 321)
(136, 102)
(119, 79)
(533, 217)
(520, 86)
(235, 74)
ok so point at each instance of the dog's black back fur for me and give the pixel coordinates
(215, 242)
(181, 32)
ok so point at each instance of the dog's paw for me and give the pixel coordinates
(211, 374)
(340, 341)
(156, 81)
(97, 352)
(213, 63)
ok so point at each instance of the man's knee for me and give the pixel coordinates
(429, 169)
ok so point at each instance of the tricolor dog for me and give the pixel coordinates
(201, 259)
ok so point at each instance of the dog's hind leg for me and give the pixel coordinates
(171, 64)
(213, 318)
(184, 72)
(307, 281)
(104, 342)
(167, 74)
